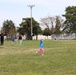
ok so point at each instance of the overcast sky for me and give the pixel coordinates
(15, 10)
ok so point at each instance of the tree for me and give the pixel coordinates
(48, 22)
(9, 28)
(52, 23)
(58, 25)
(70, 22)
(25, 27)
(47, 31)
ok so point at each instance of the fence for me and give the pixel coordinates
(68, 36)
(64, 36)
(42, 37)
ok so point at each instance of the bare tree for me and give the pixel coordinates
(48, 22)
(53, 23)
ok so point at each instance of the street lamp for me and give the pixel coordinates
(31, 6)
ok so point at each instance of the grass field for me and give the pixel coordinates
(59, 58)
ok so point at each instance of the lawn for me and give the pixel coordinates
(59, 58)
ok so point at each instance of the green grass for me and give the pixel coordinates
(59, 58)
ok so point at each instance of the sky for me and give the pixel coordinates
(15, 10)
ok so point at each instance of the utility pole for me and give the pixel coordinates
(31, 6)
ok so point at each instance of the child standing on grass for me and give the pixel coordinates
(41, 49)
